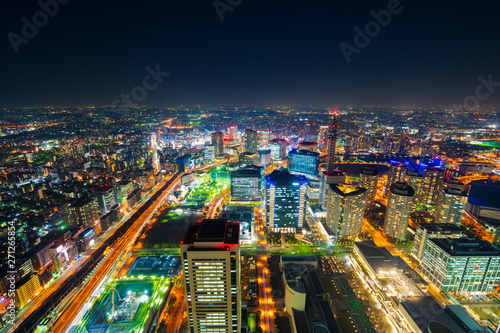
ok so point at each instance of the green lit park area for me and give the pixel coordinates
(127, 305)
(204, 193)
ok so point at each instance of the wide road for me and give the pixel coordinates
(217, 202)
(39, 300)
(121, 247)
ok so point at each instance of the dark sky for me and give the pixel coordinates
(263, 52)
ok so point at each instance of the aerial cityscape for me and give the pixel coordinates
(249, 167)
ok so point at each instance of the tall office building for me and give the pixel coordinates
(312, 131)
(333, 135)
(426, 231)
(398, 210)
(106, 198)
(233, 132)
(248, 184)
(212, 276)
(264, 138)
(303, 162)
(450, 206)
(368, 179)
(322, 137)
(251, 141)
(462, 265)
(285, 201)
(278, 149)
(264, 157)
(345, 209)
(330, 176)
(209, 152)
(414, 179)
(218, 143)
(397, 173)
(432, 185)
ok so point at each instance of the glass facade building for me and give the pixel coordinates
(248, 184)
(285, 201)
(462, 265)
(433, 230)
(278, 149)
(251, 141)
(303, 162)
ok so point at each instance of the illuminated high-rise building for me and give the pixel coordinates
(330, 176)
(278, 149)
(212, 276)
(233, 132)
(322, 138)
(248, 184)
(264, 137)
(209, 152)
(156, 160)
(218, 143)
(303, 162)
(333, 135)
(432, 185)
(285, 201)
(251, 141)
(398, 210)
(462, 264)
(264, 157)
(397, 173)
(425, 231)
(312, 131)
(368, 179)
(345, 209)
(414, 179)
(450, 206)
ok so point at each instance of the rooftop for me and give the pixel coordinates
(402, 189)
(444, 228)
(346, 190)
(465, 247)
(213, 230)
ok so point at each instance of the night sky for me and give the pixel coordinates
(263, 52)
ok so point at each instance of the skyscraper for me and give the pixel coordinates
(248, 184)
(333, 135)
(450, 206)
(414, 179)
(278, 149)
(345, 209)
(285, 201)
(264, 137)
(432, 185)
(251, 141)
(322, 137)
(211, 261)
(398, 210)
(330, 176)
(218, 143)
(303, 162)
(368, 179)
(397, 173)
(312, 131)
(264, 157)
